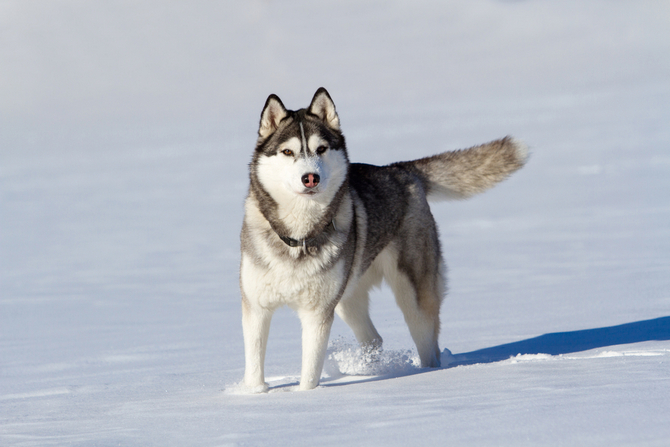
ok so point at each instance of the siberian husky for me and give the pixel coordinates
(319, 232)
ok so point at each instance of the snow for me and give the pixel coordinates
(125, 131)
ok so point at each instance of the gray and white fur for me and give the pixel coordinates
(320, 232)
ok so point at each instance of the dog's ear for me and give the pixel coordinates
(273, 112)
(323, 107)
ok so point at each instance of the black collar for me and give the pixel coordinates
(306, 243)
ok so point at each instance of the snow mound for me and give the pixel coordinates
(521, 358)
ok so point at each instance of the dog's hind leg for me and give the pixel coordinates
(256, 327)
(355, 311)
(419, 296)
(423, 321)
(316, 324)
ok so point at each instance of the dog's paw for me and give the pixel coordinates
(257, 389)
(308, 385)
(242, 388)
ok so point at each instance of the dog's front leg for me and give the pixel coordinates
(316, 326)
(256, 327)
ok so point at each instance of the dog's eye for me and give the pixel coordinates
(321, 149)
(287, 152)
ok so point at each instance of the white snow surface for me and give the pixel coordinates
(126, 128)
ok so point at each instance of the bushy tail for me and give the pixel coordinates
(464, 173)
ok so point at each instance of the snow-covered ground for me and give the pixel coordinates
(125, 131)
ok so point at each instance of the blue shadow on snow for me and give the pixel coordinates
(555, 343)
(567, 342)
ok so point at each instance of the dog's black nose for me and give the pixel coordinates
(310, 180)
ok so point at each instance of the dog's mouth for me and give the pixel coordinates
(309, 192)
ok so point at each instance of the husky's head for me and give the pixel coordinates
(300, 159)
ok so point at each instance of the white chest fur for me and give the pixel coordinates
(281, 283)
